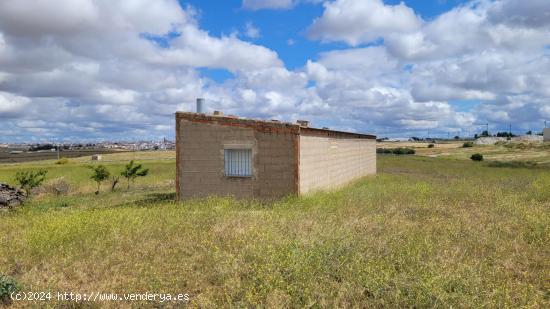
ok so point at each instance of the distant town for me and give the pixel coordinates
(119, 145)
(24, 152)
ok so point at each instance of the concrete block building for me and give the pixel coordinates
(546, 134)
(246, 158)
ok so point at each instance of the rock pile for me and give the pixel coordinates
(10, 197)
(528, 138)
(489, 140)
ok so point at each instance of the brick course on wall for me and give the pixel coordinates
(328, 162)
(200, 151)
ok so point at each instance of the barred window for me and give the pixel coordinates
(238, 162)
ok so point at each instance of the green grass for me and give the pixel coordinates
(77, 174)
(538, 153)
(424, 232)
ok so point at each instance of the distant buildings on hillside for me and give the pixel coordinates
(113, 145)
(142, 145)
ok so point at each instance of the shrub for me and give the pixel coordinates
(7, 286)
(468, 144)
(477, 157)
(62, 161)
(396, 151)
(513, 164)
(403, 151)
(383, 150)
(431, 146)
(505, 134)
(29, 180)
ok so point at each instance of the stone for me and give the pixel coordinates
(10, 197)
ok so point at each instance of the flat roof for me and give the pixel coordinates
(268, 126)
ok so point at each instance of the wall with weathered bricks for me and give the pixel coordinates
(200, 161)
(327, 163)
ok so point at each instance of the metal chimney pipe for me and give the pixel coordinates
(200, 105)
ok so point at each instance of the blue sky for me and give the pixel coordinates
(277, 27)
(96, 69)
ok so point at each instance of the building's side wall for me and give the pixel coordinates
(200, 162)
(327, 163)
(546, 134)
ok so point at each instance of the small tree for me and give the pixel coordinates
(100, 174)
(132, 171)
(29, 180)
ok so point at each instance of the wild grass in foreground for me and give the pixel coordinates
(424, 232)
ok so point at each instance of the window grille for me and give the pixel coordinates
(238, 162)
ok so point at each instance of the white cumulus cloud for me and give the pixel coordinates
(362, 21)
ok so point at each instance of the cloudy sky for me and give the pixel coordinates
(100, 69)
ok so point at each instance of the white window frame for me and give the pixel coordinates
(238, 161)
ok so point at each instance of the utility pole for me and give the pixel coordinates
(510, 130)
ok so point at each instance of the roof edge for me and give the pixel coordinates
(268, 126)
(334, 133)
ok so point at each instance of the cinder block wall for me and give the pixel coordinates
(327, 162)
(200, 161)
(546, 134)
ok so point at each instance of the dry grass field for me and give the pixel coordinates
(503, 151)
(6, 155)
(434, 230)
